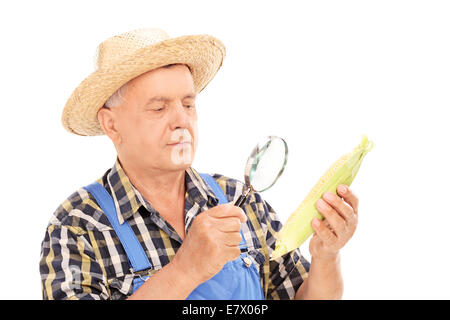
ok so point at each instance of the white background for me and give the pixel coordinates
(317, 73)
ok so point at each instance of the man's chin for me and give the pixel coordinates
(178, 166)
(182, 156)
(183, 166)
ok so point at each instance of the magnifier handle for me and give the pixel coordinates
(243, 197)
(240, 202)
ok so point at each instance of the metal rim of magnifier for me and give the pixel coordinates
(253, 160)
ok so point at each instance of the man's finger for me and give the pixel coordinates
(336, 222)
(227, 210)
(349, 197)
(339, 205)
(325, 234)
(230, 239)
(229, 224)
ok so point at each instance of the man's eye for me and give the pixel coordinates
(190, 106)
(159, 109)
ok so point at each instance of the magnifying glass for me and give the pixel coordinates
(264, 166)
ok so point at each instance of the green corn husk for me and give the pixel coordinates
(298, 228)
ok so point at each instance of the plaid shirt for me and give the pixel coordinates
(82, 257)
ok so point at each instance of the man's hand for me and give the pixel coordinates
(341, 218)
(212, 241)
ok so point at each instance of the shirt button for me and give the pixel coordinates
(247, 262)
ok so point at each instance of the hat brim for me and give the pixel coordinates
(203, 54)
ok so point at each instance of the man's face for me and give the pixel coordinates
(157, 113)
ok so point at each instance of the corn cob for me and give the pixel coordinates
(297, 228)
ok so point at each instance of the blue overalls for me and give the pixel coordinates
(238, 280)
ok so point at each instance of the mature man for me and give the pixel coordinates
(152, 227)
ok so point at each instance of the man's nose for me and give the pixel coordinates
(179, 117)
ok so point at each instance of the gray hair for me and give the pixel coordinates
(117, 97)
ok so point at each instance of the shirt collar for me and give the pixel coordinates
(128, 199)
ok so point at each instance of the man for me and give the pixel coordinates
(153, 227)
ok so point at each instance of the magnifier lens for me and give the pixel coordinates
(268, 163)
(264, 166)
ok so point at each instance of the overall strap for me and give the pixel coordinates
(222, 199)
(135, 253)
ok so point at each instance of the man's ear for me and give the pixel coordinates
(107, 119)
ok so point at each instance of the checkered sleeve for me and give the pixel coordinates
(287, 272)
(68, 266)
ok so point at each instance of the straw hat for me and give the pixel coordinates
(126, 56)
